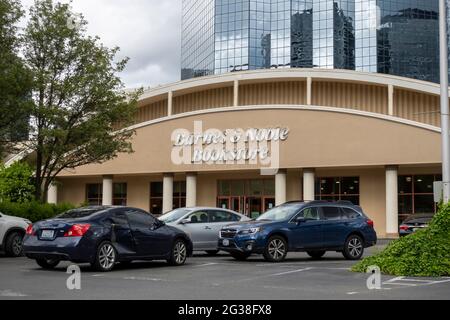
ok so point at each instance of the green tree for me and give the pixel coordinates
(15, 79)
(16, 183)
(78, 97)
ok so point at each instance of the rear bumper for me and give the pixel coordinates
(69, 248)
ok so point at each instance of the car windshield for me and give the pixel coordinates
(78, 213)
(283, 212)
(173, 215)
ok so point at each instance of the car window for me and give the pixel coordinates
(310, 213)
(198, 217)
(120, 219)
(79, 213)
(140, 219)
(348, 213)
(221, 216)
(331, 213)
(173, 215)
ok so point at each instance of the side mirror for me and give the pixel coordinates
(300, 220)
(185, 221)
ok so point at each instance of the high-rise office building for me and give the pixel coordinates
(399, 37)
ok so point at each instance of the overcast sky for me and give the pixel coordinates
(147, 31)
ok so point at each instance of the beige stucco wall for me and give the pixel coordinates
(316, 139)
(372, 187)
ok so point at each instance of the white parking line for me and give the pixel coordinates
(206, 264)
(288, 272)
(10, 293)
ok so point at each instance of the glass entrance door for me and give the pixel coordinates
(253, 207)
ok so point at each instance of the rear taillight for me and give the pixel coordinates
(370, 222)
(77, 230)
(404, 227)
(30, 230)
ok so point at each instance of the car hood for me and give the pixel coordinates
(248, 224)
(16, 219)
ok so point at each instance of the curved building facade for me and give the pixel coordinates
(251, 140)
(398, 37)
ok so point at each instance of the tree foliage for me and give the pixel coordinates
(15, 79)
(78, 97)
(16, 183)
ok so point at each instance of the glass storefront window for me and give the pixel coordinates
(337, 188)
(415, 194)
(94, 194)
(120, 194)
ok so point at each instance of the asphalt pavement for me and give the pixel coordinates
(216, 277)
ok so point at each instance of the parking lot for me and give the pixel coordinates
(219, 277)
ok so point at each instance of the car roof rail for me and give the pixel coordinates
(346, 202)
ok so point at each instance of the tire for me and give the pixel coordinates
(240, 256)
(178, 253)
(276, 249)
(211, 252)
(13, 244)
(106, 257)
(316, 254)
(353, 247)
(47, 264)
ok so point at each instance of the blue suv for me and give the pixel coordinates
(314, 227)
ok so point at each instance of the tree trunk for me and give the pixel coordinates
(38, 180)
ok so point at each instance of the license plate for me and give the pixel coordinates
(226, 242)
(47, 234)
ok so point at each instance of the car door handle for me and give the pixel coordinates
(208, 228)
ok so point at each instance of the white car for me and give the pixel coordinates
(12, 230)
(202, 224)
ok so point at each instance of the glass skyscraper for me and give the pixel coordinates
(399, 37)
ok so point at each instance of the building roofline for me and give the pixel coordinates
(291, 74)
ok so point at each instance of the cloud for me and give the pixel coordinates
(147, 31)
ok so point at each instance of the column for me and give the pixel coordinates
(167, 192)
(52, 193)
(280, 187)
(391, 201)
(191, 189)
(391, 100)
(308, 184)
(236, 93)
(107, 191)
(169, 103)
(308, 91)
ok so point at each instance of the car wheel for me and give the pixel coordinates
(212, 252)
(276, 249)
(13, 244)
(316, 254)
(47, 263)
(178, 254)
(353, 248)
(240, 256)
(106, 257)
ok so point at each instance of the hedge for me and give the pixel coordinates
(33, 210)
(422, 254)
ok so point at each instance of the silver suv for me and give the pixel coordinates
(12, 230)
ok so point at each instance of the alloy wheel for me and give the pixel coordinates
(276, 249)
(179, 252)
(355, 247)
(107, 256)
(17, 245)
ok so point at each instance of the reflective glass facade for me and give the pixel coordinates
(398, 37)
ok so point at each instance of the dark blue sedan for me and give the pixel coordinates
(314, 227)
(103, 236)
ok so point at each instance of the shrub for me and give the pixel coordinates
(424, 253)
(33, 210)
